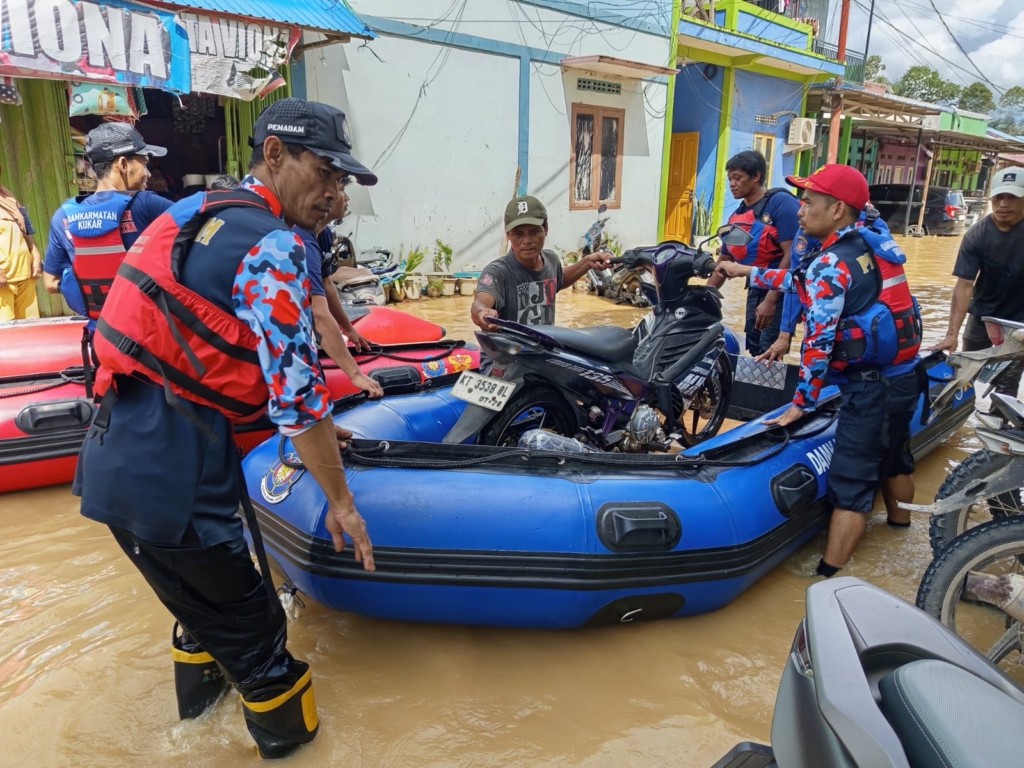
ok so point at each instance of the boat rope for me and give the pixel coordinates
(375, 457)
(71, 375)
(374, 354)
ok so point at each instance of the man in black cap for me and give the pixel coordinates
(108, 222)
(521, 285)
(159, 465)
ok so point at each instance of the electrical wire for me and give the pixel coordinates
(903, 34)
(966, 55)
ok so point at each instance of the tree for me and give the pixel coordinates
(873, 69)
(926, 84)
(1009, 115)
(976, 97)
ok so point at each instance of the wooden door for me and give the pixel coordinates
(682, 182)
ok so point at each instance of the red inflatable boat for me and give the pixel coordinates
(44, 411)
(55, 343)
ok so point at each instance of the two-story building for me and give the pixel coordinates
(743, 75)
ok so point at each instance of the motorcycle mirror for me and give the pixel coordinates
(737, 237)
(601, 209)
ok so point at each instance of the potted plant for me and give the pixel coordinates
(406, 280)
(442, 257)
(435, 286)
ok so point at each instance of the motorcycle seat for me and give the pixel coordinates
(944, 715)
(609, 343)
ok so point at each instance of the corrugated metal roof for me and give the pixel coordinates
(330, 16)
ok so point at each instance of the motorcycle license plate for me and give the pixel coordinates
(485, 391)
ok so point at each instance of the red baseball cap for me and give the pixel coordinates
(843, 182)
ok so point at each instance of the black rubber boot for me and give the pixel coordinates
(280, 710)
(198, 681)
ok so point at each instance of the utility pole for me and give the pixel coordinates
(835, 122)
(867, 41)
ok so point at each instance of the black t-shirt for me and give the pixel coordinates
(995, 260)
(520, 294)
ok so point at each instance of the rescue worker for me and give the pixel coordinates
(863, 333)
(102, 226)
(329, 318)
(209, 321)
(770, 217)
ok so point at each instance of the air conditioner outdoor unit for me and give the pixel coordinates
(801, 131)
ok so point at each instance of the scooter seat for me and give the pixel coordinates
(944, 715)
(604, 342)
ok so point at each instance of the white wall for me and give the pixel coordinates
(449, 174)
(439, 125)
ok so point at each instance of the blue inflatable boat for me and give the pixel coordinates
(483, 535)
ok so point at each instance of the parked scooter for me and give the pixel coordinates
(599, 281)
(369, 280)
(872, 682)
(975, 582)
(612, 387)
(987, 484)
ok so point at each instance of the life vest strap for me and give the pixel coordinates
(151, 288)
(172, 375)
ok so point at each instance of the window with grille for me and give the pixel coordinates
(596, 161)
(765, 144)
(598, 86)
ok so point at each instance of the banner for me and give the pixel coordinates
(237, 57)
(110, 41)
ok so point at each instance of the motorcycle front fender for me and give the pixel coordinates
(1009, 478)
(475, 417)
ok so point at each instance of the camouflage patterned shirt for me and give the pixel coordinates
(271, 294)
(822, 294)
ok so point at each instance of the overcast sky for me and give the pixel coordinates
(991, 31)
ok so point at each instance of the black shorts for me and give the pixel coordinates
(853, 475)
(904, 394)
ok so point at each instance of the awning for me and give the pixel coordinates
(609, 65)
(332, 18)
(716, 45)
(876, 107)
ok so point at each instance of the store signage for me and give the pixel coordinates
(110, 41)
(237, 57)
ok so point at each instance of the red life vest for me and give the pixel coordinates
(156, 328)
(95, 232)
(882, 328)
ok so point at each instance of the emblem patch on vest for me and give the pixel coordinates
(277, 483)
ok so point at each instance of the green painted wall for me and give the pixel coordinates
(963, 124)
(38, 161)
(956, 168)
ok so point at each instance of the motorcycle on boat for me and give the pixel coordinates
(613, 388)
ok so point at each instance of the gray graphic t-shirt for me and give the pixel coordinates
(520, 294)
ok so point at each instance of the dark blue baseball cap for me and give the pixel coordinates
(320, 128)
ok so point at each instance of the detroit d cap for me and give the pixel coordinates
(110, 140)
(1009, 181)
(843, 182)
(525, 209)
(320, 128)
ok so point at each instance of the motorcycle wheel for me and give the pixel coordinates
(535, 407)
(944, 528)
(706, 413)
(993, 548)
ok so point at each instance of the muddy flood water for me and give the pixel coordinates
(85, 668)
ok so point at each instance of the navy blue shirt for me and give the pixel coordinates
(320, 262)
(143, 209)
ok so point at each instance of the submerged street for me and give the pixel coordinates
(86, 679)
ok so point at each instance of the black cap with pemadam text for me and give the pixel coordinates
(320, 128)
